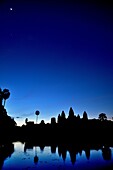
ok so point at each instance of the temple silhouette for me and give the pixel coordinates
(72, 129)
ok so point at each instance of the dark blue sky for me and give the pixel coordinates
(54, 56)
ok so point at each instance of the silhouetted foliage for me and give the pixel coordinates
(4, 94)
(102, 117)
(5, 120)
(37, 113)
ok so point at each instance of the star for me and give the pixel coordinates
(11, 9)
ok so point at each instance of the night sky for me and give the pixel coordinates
(56, 55)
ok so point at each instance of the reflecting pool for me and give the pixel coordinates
(22, 156)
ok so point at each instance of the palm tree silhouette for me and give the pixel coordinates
(6, 95)
(37, 113)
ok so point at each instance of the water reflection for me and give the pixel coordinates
(36, 157)
(62, 156)
(6, 150)
(106, 153)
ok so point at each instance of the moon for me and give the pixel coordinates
(11, 9)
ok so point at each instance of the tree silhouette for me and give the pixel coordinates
(102, 117)
(37, 113)
(5, 94)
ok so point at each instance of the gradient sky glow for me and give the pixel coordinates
(54, 56)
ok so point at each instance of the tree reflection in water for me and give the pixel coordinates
(36, 157)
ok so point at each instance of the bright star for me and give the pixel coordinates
(11, 9)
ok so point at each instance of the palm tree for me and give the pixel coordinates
(102, 116)
(5, 94)
(37, 113)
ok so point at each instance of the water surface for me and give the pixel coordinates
(52, 157)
